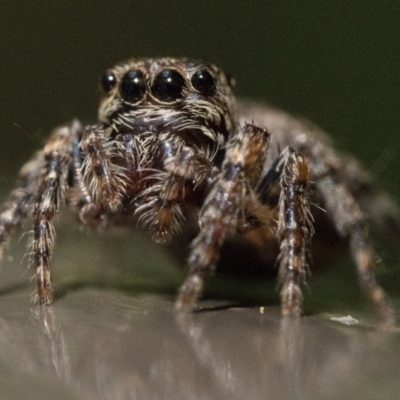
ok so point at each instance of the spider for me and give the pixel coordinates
(171, 143)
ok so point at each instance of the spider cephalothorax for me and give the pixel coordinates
(170, 141)
(177, 101)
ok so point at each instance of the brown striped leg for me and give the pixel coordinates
(363, 256)
(160, 205)
(24, 194)
(21, 199)
(377, 206)
(105, 181)
(221, 209)
(294, 229)
(349, 222)
(58, 156)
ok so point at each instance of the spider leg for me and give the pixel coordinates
(160, 205)
(221, 208)
(350, 222)
(21, 199)
(105, 180)
(376, 205)
(294, 228)
(53, 184)
(24, 195)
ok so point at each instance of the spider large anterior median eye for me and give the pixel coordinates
(133, 86)
(203, 82)
(108, 82)
(168, 86)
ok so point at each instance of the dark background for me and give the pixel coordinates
(336, 63)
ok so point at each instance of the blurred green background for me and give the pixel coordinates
(336, 63)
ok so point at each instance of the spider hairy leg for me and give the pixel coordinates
(160, 207)
(58, 156)
(349, 222)
(364, 255)
(294, 229)
(219, 214)
(21, 199)
(105, 180)
(376, 205)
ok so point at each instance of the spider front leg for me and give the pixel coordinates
(53, 184)
(105, 181)
(222, 207)
(41, 186)
(160, 205)
(294, 229)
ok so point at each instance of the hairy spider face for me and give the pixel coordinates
(184, 100)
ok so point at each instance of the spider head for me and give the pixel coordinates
(186, 99)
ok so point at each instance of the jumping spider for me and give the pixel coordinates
(172, 142)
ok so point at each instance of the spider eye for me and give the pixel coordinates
(203, 82)
(133, 86)
(108, 82)
(168, 86)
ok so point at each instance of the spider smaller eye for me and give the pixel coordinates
(203, 82)
(108, 82)
(133, 86)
